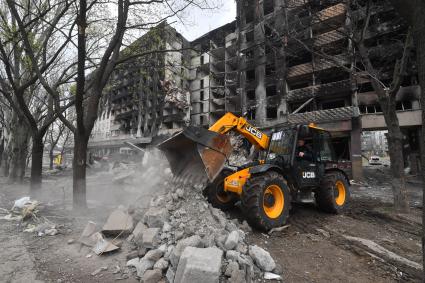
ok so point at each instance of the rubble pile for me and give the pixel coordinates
(183, 238)
(240, 153)
(175, 95)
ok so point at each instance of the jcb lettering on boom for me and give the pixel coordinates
(254, 131)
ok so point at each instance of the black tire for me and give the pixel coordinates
(329, 197)
(217, 196)
(253, 201)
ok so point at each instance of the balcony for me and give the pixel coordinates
(320, 65)
(321, 116)
(406, 118)
(319, 90)
(327, 38)
(173, 117)
(331, 13)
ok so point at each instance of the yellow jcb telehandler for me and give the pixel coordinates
(294, 160)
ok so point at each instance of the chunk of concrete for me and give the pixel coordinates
(232, 267)
(88, 231)
(154, 255)
(238, 277)
(232, 240)
(161, 264)
(119, 222)
(232, 255)
(262, 258)
(193, 241)
(155, 217)
(103, 246)
(150, 238)
(152, 276)
(133, 262)
(199, 265)
(141, 265)
(170, 275)
(138, 231)
(272, 276)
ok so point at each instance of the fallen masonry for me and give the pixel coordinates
(199, 265)
(185, 239)
(177, 237)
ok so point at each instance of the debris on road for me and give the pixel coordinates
(118, 223)
(199, 264)
(278, 229)
(86, 236)
(11, 217)
(272, 276)
(103, 246)
(97, 271)
(21, 203)
(22, 209)
(187, 239)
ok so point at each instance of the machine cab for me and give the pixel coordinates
(312, 150)
(304, 150)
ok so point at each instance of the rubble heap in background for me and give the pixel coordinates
(182, 237)
(240, 153)
(175, 95)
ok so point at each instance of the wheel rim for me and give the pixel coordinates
(273, 201)
(221, 195)
(340, 193)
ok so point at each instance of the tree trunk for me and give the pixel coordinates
(395, 148)
(5, 164)
(36, 162)
(1, 148)
(51, 157)
(419, 38)
(79, 171)
(19, 149)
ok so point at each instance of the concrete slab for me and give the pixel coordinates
(88, 231)
(199, 265)
(118, 222)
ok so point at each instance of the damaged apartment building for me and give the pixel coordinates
(144, 97)
(299, 65)
(281, 61)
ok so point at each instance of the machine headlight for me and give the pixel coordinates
(272, 155)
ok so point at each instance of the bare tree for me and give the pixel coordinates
(412, 11)
(98, 51)
(29, 48)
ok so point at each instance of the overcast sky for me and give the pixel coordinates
(202, 21)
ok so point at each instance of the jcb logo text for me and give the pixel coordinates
(254, 131)
(309, 175)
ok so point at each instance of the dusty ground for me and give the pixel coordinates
(312, 249)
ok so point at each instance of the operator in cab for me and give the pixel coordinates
(304, 151)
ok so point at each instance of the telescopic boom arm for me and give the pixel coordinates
(231, 122)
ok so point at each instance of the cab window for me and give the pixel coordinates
(325, 147)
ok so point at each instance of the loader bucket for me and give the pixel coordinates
(196, 154)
